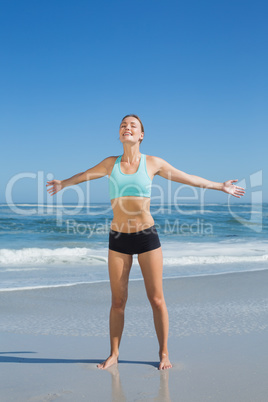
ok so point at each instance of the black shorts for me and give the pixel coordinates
(134, 243)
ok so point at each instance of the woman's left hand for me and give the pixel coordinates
(230, 188)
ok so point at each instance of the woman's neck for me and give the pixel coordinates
(131, 154)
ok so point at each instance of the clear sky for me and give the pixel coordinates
(194, 71)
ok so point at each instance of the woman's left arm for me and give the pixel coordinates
(164, 169)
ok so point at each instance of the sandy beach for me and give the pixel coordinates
(53, 338)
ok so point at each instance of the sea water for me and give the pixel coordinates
(62, 245)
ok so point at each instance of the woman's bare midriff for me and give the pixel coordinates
(131, 214)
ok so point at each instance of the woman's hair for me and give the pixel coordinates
(136, 117)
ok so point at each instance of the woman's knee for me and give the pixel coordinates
(157, 302)
(119, 303)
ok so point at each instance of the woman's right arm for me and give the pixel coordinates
(96, 172)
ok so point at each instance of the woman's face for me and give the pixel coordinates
(130, 130)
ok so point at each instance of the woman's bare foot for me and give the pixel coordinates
(112, 359)
(164, 362)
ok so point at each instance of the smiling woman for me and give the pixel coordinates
(132, 229)
(133, 124)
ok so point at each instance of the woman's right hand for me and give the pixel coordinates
(56, 186)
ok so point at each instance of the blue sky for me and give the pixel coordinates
(194, 71)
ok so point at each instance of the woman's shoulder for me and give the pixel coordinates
(154, 164)
(109, 163)
(110, 159)
(153, 159)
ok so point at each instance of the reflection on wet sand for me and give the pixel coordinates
(118, 392)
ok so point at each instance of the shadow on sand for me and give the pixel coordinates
(117, 391)
(4, 358)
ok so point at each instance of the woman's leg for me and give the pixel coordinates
(119, 269)
(151, 264)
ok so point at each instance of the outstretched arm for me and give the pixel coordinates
(96, 172)
(164, 169)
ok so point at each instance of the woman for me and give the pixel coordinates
(132, 228)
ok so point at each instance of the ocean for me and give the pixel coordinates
(63, 245)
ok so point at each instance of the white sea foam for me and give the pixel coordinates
(41, 256)
(33, 268)
(193, 260)
(61, 285)
(175, 253)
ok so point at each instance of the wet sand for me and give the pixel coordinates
(52, 340)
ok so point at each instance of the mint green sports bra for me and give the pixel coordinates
(137, 184)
